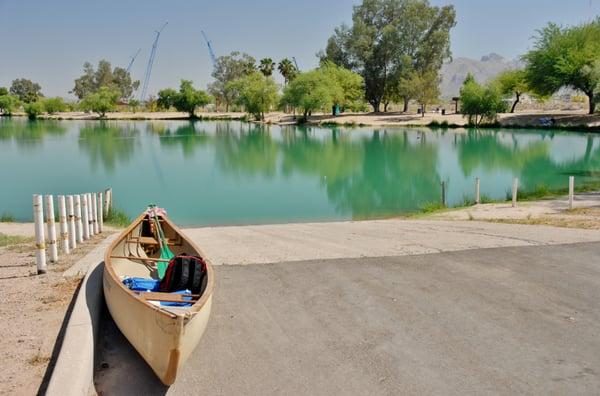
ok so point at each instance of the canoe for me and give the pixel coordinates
(164, 336)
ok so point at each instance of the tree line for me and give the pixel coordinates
(392, 52)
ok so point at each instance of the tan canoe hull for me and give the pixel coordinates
(164, 337)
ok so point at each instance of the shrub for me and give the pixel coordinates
(480, 103)
(101, 102)
(8, 104)
(34, 109)
(54, 105)
(257, 93)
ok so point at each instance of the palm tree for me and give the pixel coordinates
(266, 66)
(287, 70)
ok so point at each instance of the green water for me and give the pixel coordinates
(208, 173)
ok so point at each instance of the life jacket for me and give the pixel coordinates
(185, 273)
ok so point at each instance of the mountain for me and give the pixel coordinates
(489, 66)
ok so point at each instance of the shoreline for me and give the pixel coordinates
(564, 120)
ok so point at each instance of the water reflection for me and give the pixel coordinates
(28, 134)
(108, 143)
(188, 137)
(318, 172)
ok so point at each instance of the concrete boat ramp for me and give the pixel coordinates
(387, 307)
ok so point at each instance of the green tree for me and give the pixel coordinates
(351, 85)
(54, 105)
(188, 98)
(34, 109)
(287, 70)
(26, 90)
(480, 103)
(389, 36)
(266, 67)
(8, 104)
(312, 91)
(134, 105)
(101, 102)
(166, 98)
(513, 83)
(257, 94)
(229, 68)
(117, 79)
(3, 91)
(564, 57)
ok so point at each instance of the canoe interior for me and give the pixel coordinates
(141, 242)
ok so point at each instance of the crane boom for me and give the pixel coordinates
(151, 63)
(133, 60)
(213, 58)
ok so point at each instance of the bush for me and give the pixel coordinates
(256, 93)
(480, 103)
(8, 104)
(54, 105)
(101, 102)
(34, 109)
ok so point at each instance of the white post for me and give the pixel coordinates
(95, 212)
(71, 219)
(515, 191)
(50, 223)
(100, 212)
(64, 230)
(90, 214)
(571, 191)
(85, 217)
(477, 191)
(107, 200)
(40, 244)
(78, 223)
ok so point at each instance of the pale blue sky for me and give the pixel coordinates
(48, 41)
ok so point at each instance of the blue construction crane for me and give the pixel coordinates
(133, 60)
(151, 63)
(213, 58)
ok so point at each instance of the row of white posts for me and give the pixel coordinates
(80, 218)
(515, 191)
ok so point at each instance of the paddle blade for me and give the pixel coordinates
(161, 267)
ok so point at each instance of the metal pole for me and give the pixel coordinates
(444, 193)
(477, 191)
(85, 217)
(64, 230)
(78, 223)
(71, 220)
(50, 223)
(571, 191)
(515, 191)
(40, 245)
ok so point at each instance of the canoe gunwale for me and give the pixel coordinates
(191, 311)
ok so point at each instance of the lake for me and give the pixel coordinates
(219, 173)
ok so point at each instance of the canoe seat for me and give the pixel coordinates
(169, 297)
(145, 240)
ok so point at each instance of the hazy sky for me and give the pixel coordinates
(48, 40)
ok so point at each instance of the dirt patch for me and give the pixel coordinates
(586, 218)
(33, 309)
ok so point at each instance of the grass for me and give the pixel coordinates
(7, 218)
(11, 240)
(432, 207)
(117, 217)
